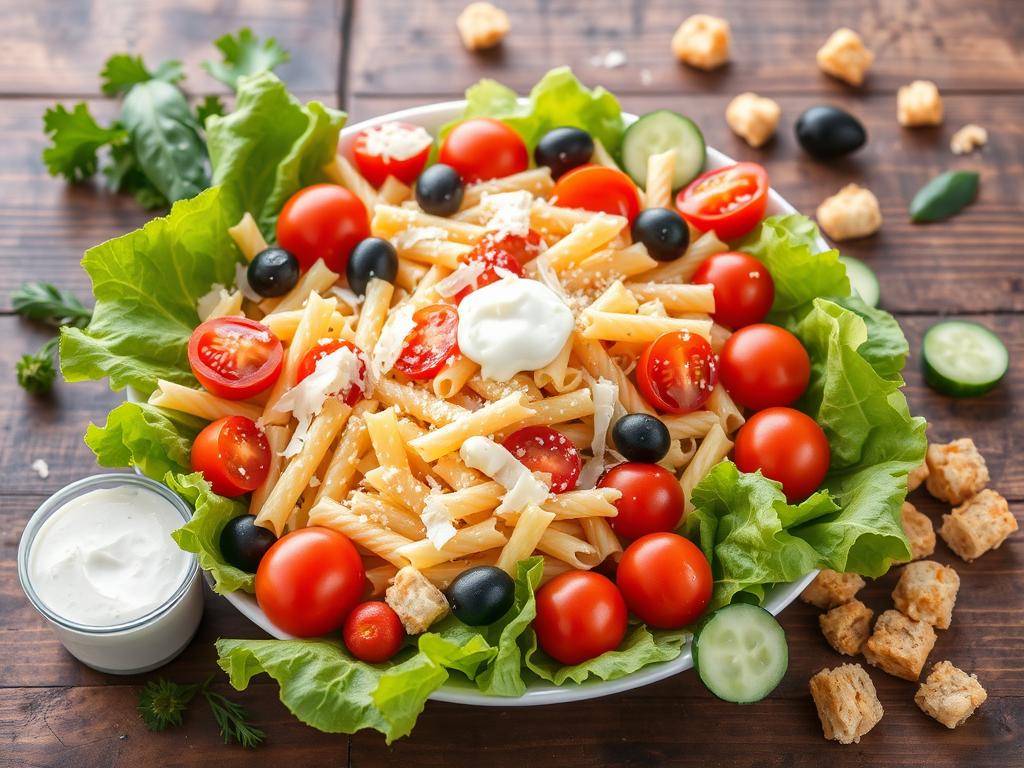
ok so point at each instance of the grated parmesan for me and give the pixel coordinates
(606, 395)
(522, 487)
(510, 212)
(394, 141)
(408, 238)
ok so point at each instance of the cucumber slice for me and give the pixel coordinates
(740, 653)
(658, 132)
(862, 280)
(963, 359)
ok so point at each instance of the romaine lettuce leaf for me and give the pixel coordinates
(155, 440)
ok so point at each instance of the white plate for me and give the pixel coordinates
(458, 690)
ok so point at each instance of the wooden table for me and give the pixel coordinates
(378, 55)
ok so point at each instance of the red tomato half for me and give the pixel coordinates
(743, 288)
(665, 580)
(483, 148)
(432, 343)
(309, 581)
(234, 357)
(730, 200)
(580, 615)
(764, 365)
(543, 449)
(597, 188)
(392, 149)
(787, 446)
(373, 632)
(507, 253)
(323, 221)
(651, 501)
(308, 364)
(677, 372)
(233, 455)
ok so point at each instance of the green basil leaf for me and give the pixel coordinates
(944, 196)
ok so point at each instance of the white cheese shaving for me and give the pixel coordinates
(522, 487)
(435, 517)
(210, 299)
(606, 394)
(41, 468)
(547, 275)
(346, 295)
(392, 339)
(394, 141)
(242, 281)
(407, 238)
(511, 213)
(463, 277)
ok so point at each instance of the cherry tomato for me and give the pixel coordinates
(580, 615)
(309, 581)
(651, 501)
(431, 343)
(308, 364)
(234, 357)
(730, 200)
(787, 446)
(764, 365)
(392, 149)
(323, 221)
(543, 449)
(483, 148)
(373, 632)
(665, 580)
(597, 188)
(508, 253)
(233, 455)
(743, 288)
(677, 372)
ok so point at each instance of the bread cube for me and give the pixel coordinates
(968, 139)
(950, 695)
(845, 56)
(956, 471)
(753, 118)
(917, 476)
(830, 589)
(919, 530)
(417, 602)
(850, 213)
(919, 104)
(482, 25)
(847, 704)
(702, 41)
(847, 627)
(927, 591)
(899, 645)
(979, 524)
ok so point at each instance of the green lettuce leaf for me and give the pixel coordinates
(885, 347)
(640, 648)
(140, 435)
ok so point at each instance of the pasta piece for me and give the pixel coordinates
(682, 269)
(611, 326)
(431, 251)
(583, 241)
(558, 374)
(466, 541)
(568, 548)
(598, 364)
(393, 516)
(601, 536)
(410, 274)
(393, 192)
(247, 237)
(456, 474)
(399, 486)
(719, 335)
(284, 324)
(660, 170)
(277, 439)
(536, 181)
(467, 501)
(389, 220)
(596, 502)
(443, 574)
(610, 264)
(450, 380)
(616, 298)
(485, 421)
(720, 404)
(489, 389)
(552, 568)
(677, 456)
(229, 304)
(712, 450)
(386, 439)
(362, 530)
(418, 402)
(318, 279)
(381, 576)
(342, 172)
(694, 424)
(355, 440)
(526, 535)
(677, 298)
(580, 433)
(374, 313)
(554, 410)
(199, 402)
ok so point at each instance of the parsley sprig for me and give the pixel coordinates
(47, 304)
(162, 704)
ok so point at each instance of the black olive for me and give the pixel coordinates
(827, 131)
(562, 149)
(372, 257)
(663, 232)
(641, 437)
(243, 543)
(481, 595)
(439, 190)
(273, 272)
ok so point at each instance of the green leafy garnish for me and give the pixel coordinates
(245, 54)
(944, 196)
(75, 139)
(233, 720)
(162, 704)
(210, 105)
(48, 304)
(36, 372)
(122, 71)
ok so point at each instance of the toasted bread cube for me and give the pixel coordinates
(847, 704)
(917, 476)
(968, 139)
(979, 524)
(753, 118)
(950, 695)
(919, 104)
(417, 602)
(830, 589)
(919, 530)
(900, 646)
(850, 213)
(702, 41)
(482, 25)
(927, 591)
(845, 56)
(847, 626)
(956, 471)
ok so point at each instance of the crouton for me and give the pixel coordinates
(950, 695)
(481, 26)
(979, 524)
(916, 477)
(968, 139)
(417, 602)
(847, 704)
(919, 530)
(845, 56)
(850, 213)
(927, 591)
(956, 471)
(919, 104)
(846, 627)
(702, 41)
(830, 589)
(899, 645)
(753, 118)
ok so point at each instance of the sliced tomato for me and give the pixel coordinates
(233, 455)
(308, 364)
(234, 357)
(499, 253)
(543, 449)
(677, 372)
(600, 189)
(392, 149)
(731, 200)
(431, 343)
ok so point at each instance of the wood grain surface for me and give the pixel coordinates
(374, 56)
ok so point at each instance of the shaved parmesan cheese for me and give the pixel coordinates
(394, 141)
(462, 278)
(547, 275)
(435, 517)
(606, 395)
(392, 339)
(346, 296)
(242, 281)
(407, 238)
(210, 299)
(522, 486)
(511, 213)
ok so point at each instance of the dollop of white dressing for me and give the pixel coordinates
(513, 325)
(107, 556)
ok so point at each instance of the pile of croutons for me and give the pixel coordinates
(924, 597)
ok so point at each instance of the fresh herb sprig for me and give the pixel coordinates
(37, 372)
(47, 304)
(162, 704)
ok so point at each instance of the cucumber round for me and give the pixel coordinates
(862, 280)
(740, 653)
(963, 359)
(658, 132)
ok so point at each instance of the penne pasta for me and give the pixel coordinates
(199, 402)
